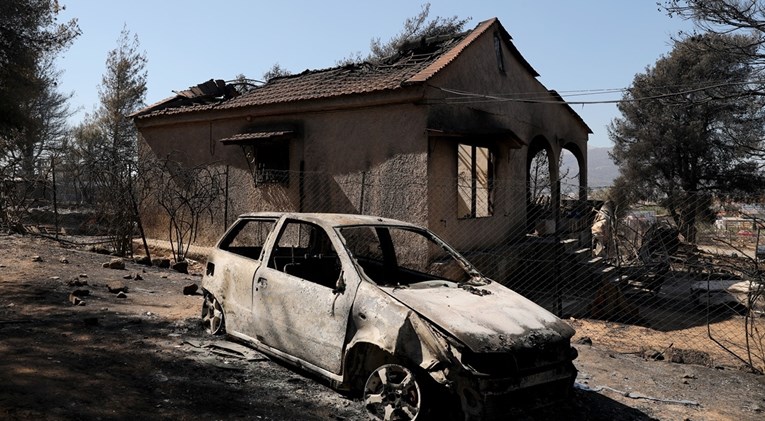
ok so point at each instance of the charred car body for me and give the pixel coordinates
(384, 308)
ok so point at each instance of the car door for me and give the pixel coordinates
(297, 307)
(242, 246)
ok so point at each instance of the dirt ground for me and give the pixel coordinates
(143, 355)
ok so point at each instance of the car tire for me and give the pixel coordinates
(394, 392)
(213, 319)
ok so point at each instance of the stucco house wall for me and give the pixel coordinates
(476, 70)
(351, 160)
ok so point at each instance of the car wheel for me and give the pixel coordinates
(212, 315)
(392, 393)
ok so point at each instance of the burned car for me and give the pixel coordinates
(387, 310)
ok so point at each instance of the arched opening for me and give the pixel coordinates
(569, 176)
(542, 187)
(575, 212)
(573, 173)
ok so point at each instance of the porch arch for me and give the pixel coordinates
(542, 183)
(581, 164)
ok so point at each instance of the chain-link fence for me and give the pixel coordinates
(677, 277)
(686, 269)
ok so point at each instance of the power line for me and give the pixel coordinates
(467, 97)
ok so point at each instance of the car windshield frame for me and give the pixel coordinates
(384, 266)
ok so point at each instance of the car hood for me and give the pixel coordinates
(489, 318)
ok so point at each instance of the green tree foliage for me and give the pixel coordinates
(26, 155)
(33, 112)
(46, 111)
(104, 156)
(687, 129)
(122, 91)
(415, 28)
(275, 71)
(723, 17)
(29, 32)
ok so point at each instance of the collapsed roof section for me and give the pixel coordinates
(205, 93)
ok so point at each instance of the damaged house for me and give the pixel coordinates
(442, 134)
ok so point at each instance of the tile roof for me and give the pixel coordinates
(346, 80)
(417, 64)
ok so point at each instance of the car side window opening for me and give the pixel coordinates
(392, 256)
(248, 237)
(304, 250)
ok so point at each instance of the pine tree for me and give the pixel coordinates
(687, 129)
(107, 142)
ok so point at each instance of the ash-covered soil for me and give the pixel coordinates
(142, 354)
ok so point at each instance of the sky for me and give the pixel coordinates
(575, 46)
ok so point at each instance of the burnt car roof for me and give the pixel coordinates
(332, 219)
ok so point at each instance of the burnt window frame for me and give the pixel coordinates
(491, 163)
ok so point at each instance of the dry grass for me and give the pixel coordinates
(731, 333)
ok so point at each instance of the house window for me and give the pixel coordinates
(498, 52)
(475, 181)
(271, 163)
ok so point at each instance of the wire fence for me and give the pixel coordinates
(676, 278)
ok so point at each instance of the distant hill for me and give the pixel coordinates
(601, 169)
